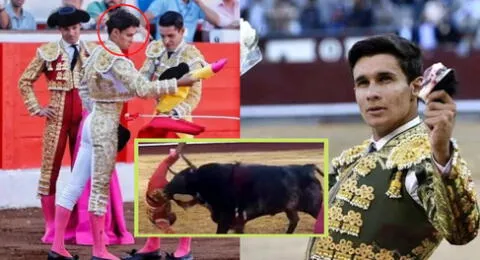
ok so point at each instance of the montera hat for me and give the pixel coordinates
(67, 16)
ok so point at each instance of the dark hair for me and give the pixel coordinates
(408, 55)
(171, 18)
(121, 19)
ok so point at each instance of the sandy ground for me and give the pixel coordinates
(342, 135)
(196, 220)
(21, 230)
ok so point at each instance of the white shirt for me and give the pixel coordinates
(69, 49)
(411, 182)
(225, 14)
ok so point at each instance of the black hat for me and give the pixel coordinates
(67, 16)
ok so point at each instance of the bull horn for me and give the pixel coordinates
(189, 163)
(171, 171)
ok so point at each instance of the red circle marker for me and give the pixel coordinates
(103, 44)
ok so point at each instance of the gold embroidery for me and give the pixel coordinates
(360, 197)
(347, 190)
(155, 49)
(344, 250)
(384, 255)
(364, 252)
(50, 143)
(365, 165)
(349, 223)
(326, 248)
(59, 75)
(335, 218)
(352, 223)
(394, 191)
(323, 248)
(350, 155)
(425, 247)
(104, 125)
(363, 197)
(49, 66)
(59, 66)
(49, 51)
(409, 152)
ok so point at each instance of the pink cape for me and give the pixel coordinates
(319, 224)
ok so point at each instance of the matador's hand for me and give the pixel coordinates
(47, 112)
(440, 118)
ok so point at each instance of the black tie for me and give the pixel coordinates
(75, 56)
(372, 148)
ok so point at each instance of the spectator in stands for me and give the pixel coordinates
(257, 18)
(95, 9)
(19, 18)
(283, 17)
(228, 13)
(361, 14)
(384, 13)
(310, 16)
(144, 4)
(191, 10)
(73, 3)
(4, 18)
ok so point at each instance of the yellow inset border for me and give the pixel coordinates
(325, 186)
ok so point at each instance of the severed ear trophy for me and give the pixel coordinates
(438, 77)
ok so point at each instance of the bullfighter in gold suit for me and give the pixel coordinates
(169, 53)
(61, 63)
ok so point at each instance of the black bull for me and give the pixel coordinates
(236, 193)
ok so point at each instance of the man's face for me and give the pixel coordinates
(385, 98)
(18, 3)
(171, 36)
(71, 34)
(124, 38)
(110, 3)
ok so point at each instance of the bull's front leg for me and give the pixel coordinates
(225, 222)
(240, 219)
(293, 218)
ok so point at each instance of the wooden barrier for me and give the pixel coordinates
(21, 134)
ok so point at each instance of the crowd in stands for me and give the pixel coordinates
(430, 23)
(199, 15)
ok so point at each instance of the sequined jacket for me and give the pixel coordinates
(186, 99)
(52, 60)
(372, 214)
(111, 78)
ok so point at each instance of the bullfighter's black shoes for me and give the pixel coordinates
(134, 255)
(55, 256)
(189, 256)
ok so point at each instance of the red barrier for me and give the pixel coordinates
(21, 142)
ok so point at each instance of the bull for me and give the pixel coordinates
(236, 193)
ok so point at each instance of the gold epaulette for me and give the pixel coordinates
(104, 61)
(49, 51)
(410, 152)
(350, 155)
(155, 49)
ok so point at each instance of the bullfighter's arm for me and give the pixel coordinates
(29, 76)
(132, 79)
(148, 68)
(193, 98)
(449, 200)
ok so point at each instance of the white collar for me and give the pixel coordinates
(412, 123)
(66, 44)
(182, 43)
